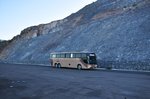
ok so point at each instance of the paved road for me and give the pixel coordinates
(38, 82)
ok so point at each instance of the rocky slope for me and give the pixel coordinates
(3, 43)
(118, 31)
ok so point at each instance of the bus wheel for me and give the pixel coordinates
(55, 65)
(79, 67)
(58, 65)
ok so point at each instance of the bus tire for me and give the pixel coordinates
(58, 65)
(55, 65)
(79, 67)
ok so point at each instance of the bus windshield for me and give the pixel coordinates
(92, 60)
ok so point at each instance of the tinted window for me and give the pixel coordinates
(57, 55)
(85, 60)
(92, 60)
(52, 55)
(84, 56)
(78, 55)
(68, 55)
(62, 55)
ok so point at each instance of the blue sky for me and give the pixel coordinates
(17, 15)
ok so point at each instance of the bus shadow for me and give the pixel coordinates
(66, 68)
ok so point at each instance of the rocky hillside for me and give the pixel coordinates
(3, 44)
(118, 31)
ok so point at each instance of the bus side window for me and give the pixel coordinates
(74, 55)
(68, 55)
(53, 56)
(62, 55)
(83, 55)
(57, 55)
(78, 55)
(84, 58)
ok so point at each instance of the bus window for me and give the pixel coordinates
(74, 55)
(57, 55)
(78, 55)
(84, 56)
(53, 56)
(62, 55)
(85, 60)
(68, 55)
(92, 60)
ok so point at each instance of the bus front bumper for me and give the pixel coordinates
(91, 66)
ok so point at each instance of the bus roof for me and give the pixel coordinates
(71, 52)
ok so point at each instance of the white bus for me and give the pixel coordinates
(73, 60)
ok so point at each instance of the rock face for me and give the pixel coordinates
(118, 31)
(3, 44)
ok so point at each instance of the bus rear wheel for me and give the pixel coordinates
(55, 65)
(79, 67)
(58, 65)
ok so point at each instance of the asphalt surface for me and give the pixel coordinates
(41, 82)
